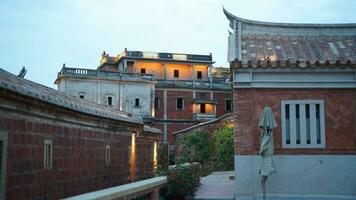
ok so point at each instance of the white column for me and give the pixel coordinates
(120, 96)
(125, 66)
(165, 71)
(211, 75)
(98, 93)
(165, 134)
(135, 67)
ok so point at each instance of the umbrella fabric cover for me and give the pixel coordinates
(267, 123)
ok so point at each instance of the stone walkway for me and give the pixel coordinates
(216, 186)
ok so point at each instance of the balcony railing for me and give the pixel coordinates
(196, 84)
(169, 56)
(78, 72)
(203, 116)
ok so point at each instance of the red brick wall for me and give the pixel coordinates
(176, 127)
(172, 112)
(220, 98)
(340, 118)
(78, 152)
(159, 113)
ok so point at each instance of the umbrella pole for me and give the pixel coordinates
(264, 179)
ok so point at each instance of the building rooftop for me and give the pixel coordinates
(159, 56)
(293, 42)
(95, 73)
(40, 92)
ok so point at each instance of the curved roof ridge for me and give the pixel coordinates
(311, 25)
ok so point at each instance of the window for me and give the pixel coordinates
(47, 154)
(107, 155)
(303, 124)
(179, 103)
(81, 95)
(157, 103)
(109, 100)
(228, 105)
(202, 95)
(143, 71)
(176, 73)
(199, 75)
(137, 102)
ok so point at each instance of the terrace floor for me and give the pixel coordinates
(216, 186)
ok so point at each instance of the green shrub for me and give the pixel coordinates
(196, 147)
(182, 181)
(224, 148)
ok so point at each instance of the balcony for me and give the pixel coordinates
(195, 84)
(203, 116)
(79, 72)
(168, 56)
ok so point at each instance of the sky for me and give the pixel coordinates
(42, 35)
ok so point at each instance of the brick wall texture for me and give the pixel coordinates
(181, 119)
(78, 150)
(340, 118)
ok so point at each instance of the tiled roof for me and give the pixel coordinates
(34, 90)
(253, 41)
(151, 129)
(298, 48)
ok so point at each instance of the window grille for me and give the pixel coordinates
(303, 124)
(107, 155)
(47, 155)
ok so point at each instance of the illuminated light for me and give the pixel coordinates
(155, 155)
(133, 157)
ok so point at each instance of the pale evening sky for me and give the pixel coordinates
(42, 35)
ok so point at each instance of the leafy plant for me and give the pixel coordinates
(224, 147)
(196, 147)
(182, 181)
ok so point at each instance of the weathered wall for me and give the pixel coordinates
(340, 118)
(98, 90)
(78, 150)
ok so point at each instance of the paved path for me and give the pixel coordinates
(216, 186)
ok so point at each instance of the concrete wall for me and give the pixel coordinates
(123, 93)
(298, 177)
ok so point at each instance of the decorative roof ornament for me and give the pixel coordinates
(22, 72)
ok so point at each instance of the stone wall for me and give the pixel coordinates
(78, 140)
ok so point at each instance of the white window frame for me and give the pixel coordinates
(293, 126)
(177, 103)
(107, 100)
(230, 105)
(47, 154)
(139, 102)
(107, 155)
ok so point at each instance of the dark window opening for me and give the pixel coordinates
(287, 111)
(109, 101)
(179, 103)
(137, 102)
(199, 75)
(156, 102)
(143, 71)
(228, 105)
(176, 73)
(81, 96)
(202, 108)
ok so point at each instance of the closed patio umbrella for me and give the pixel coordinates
(266, 168)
